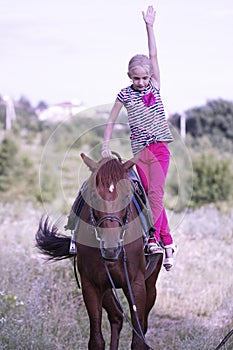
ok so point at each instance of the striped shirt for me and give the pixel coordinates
(146, 116)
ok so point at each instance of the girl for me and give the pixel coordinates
(150, 135)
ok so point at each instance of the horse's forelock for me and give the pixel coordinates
(110, 172)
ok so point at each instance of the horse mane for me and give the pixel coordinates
(110, 172)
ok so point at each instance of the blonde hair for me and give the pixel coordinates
(142, 61)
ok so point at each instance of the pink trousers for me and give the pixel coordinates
(152, 168)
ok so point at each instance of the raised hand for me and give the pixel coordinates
(149, 16)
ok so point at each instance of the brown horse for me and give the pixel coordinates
(110, 253)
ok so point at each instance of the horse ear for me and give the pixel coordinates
(92, 165)
(131, 162)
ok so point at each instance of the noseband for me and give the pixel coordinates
(122, 223)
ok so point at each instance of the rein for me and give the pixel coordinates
(141, 334)
(223, 342)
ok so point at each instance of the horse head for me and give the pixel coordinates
(110, 195)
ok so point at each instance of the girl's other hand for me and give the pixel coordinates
(106, 153)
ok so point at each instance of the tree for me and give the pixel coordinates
(213, 120)
(8, 152)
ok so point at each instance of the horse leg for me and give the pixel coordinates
(93, 302)
(139, 294)
(115, 318)
(151, 291)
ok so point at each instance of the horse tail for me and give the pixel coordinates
(52, 243)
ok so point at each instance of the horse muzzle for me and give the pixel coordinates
(111, 254)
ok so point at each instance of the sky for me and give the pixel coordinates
(66, 50)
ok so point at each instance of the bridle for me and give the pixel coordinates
(123, 222)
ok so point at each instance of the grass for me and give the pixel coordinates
(41, 307)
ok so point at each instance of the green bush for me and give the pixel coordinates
(48, 183)
(179, 180)
(212, 179)
(8, 153)
(18, 177)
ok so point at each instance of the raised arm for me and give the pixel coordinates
(149, 18)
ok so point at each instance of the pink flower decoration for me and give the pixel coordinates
(149, 99)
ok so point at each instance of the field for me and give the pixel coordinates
(42, 308)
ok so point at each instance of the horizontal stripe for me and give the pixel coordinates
(146, 116)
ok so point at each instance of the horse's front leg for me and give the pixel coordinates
(115, 317)
(151, 291)
(93, 301)
(137, 315)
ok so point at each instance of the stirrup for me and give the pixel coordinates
(154, 247)
(73, 246)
